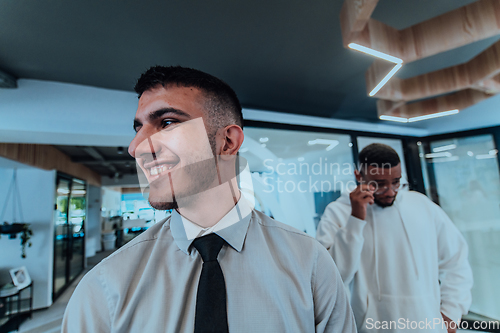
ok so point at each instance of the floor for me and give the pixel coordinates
(50, 320)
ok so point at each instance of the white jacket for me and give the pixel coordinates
(437, 264)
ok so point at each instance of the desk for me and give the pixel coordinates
(18, 307)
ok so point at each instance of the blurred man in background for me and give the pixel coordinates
(399, 254)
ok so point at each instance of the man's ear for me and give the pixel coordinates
(232, 139)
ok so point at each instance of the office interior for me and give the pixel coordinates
(67, 72)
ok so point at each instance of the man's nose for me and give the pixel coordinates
(144, 144)
(390, 191)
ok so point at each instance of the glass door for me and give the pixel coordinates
(61, 231)
(76, 219)
(69, 239)
(463, 177)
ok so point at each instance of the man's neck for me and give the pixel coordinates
(209, 207)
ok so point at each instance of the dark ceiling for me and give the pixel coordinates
(106, 161)
(277, 55)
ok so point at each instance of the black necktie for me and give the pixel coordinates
(211, 311)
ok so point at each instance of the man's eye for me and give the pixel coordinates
(167, 122)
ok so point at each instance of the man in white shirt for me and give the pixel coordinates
(215, 265)
(398, 253)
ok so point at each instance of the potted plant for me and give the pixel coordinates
(13, 229)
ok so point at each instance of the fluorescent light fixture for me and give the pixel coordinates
(446, 159)
(381, 55)
(427, 116)
(443, 148)
(300, 159)
(263, 139)
(78, 192)
(243, 150)
(434, 155)
(391, 118)
(330, 143)
(385, 79)
(485, 156)
(375, 53)
(470, 153)
(433, 115)
(491, 154)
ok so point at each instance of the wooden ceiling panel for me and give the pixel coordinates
(353, 17)
(476, 73)
(490, 86)
(459, 100)
(462, 26)
(457, 87)
(474, 22)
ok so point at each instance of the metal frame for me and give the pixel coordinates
(55, 294)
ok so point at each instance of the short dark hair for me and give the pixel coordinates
(222, 103)
(378, 155)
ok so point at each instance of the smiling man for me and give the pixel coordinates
(398, 253)
(216, 264)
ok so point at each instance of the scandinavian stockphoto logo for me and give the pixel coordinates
(320, 176)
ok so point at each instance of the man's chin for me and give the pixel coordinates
(163, 205)
(385, 203)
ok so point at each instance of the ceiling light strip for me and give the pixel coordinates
(443, 148)
(433, 115)
(434, 155)
(385, 79)
(427, 116)
(445, 159)
(331, 143)
(392, 118)
(375, 53)
(485, 156)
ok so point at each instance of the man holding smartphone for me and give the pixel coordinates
(401, 257)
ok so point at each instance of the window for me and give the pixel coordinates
(467, 185)
(295, 174)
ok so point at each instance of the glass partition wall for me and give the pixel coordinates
(462, 176)
(295, 174)
(69, 231)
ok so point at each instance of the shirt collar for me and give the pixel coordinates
(232, 227)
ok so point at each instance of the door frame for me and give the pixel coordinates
(69, 281)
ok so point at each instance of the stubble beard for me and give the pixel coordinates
(383, 204)
(163, 205)
(200, 176)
